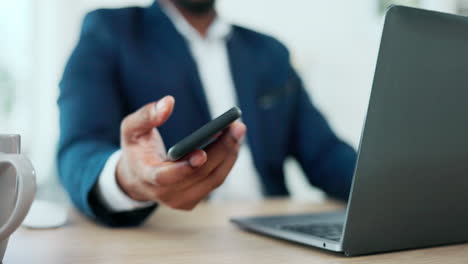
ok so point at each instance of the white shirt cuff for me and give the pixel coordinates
(109, 191)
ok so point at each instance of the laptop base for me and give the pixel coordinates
(308, 229)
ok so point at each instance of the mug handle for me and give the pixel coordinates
(26, 190)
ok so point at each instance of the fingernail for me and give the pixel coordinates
(238, 133)
(195, 160)
(161, 105)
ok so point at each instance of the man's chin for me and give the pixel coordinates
(197, 7)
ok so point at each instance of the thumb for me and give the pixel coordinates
(146, 118)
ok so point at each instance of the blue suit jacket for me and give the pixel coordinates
(128, 57)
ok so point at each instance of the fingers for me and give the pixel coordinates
(171, 173)
(199, 191)
(164, 188)
(182, 184)
(146, 118)
(228, 143)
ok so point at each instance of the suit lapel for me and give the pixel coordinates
(177, 49)
(244, 79)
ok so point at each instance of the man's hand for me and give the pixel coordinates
(144, 173)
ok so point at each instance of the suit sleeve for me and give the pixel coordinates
(327, 161)
(91, 109)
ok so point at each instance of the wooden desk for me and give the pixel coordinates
(202, 236)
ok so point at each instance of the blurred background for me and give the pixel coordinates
(334, 45)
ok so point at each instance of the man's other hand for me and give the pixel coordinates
(145, 174)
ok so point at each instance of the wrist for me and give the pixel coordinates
(124, 181)
(109, 193)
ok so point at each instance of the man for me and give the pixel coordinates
(116, 118)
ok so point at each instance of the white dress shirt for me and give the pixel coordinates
(210, 55)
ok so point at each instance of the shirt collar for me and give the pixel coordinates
(218, 30)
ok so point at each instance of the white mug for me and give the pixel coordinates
(17, 187)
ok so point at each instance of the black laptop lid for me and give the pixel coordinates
(411, 182)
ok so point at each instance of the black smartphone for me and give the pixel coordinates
(203, 136)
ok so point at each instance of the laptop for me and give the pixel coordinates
(410, 185)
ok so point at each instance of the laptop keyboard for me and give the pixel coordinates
(331, 231)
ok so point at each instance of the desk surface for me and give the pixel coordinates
(202, 236)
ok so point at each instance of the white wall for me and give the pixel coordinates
(15, 34)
